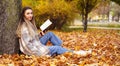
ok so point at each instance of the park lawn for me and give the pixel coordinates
(105, 25)
(105, 45)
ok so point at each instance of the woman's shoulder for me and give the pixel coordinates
(23, 26)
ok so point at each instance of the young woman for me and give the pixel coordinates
(32, 43)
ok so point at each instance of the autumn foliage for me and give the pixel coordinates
(59, 12)
(104, 43)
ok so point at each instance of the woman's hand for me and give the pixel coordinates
(42, 33)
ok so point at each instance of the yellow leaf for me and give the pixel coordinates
(2, 65)
(82, 63)
(52, 64)
(93, 53)
(77, 47)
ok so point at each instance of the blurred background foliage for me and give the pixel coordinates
(60, 12)
(64, 12)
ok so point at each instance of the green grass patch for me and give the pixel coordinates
(67, 29)
(105, 25)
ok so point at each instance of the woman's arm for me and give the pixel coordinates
(28, 41)
(33, 43)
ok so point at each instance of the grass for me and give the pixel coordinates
(67, 29)
(106, 25)
(92, 26)
(71, 29)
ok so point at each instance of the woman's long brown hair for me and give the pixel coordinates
(22, 20)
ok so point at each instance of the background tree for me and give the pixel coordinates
(85, 7)
(115, 9)
(9, 16)
(102, 10)
(117, 1)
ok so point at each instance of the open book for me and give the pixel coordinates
(45, 25)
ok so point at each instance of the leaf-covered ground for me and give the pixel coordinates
(105, 45)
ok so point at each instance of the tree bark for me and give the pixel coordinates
(59, 27)
(83, 19)
(85, 22)
(9, 18)
(118, 16)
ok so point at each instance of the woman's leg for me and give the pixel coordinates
(61, 50)
(49, 36)
(57, 50)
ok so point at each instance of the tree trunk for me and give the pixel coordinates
(108, 15)
(59, 27)
(118, 16)
(85, 23)
(53, 24)
(9, 16)
(83, 19)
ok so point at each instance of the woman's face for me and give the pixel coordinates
(28, 14)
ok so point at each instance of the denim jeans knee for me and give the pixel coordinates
(50, 36)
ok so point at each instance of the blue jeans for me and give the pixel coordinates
(56, 48)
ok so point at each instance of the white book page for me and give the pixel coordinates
(45, 25)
